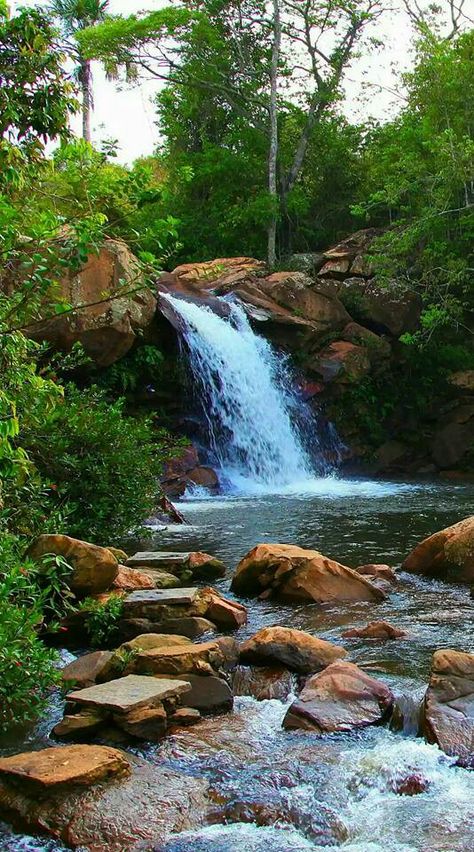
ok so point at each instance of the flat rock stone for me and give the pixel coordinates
(129, 693)
(157, 559)
(79, 725)
(179, 659)
(140, 600)
(190, 626)
(75, 764)
(85, 670)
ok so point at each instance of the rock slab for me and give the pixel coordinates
(75, 764)
(129, 693)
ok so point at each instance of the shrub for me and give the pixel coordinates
(102, 465)
(102, 620)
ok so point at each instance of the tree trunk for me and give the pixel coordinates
(86, 86)
(273, 148)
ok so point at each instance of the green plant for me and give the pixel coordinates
(102, 620)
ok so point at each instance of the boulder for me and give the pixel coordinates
(161, 606)
(202, 658)
(145, 723)
(228, 615)
(62, 766)
(209, 694)
(298, 574)
(448, 712)
(128, 580)
(118, 306)
(340, 698)
(447, 555)
(86, 670)
(294, 649)
(392, 309)
(143, 809)
(158, 579)
(94, 568)
(148, 641)
(375, 630)
(204, 477)
(192, 627)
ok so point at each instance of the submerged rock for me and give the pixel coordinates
(126, 812)
(375, 630)
(94, 568)
(340, 698)
(448, 712)
(448, 554)
(378, 572)
(263, 683)
(295, 649)
(295, 573)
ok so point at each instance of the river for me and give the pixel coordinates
(335, 792)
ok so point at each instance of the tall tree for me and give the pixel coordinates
(74, 16)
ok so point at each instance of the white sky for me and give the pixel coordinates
(129, 114)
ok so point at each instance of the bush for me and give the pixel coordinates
(102, 620)
(102, 466)
(27, 666)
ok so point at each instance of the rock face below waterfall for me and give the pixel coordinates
(292, 572)
(448, 713)
(448, 554)
(340, 698)
(294, 649)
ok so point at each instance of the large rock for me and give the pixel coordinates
(129, 693)
(118, 306)
(53, 767)
(190, 626)
(200, 658)
(142, 810)
(343, 362)
(295, 649)
(375, 630)
(340, 698)
(292, 572)
(128, 580)
(94, 569)
(209, 694)
(447, 555)
(161, 606)
(86, 670)
(448, 715)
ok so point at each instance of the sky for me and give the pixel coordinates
(129, 114)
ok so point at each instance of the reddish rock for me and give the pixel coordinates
(106, 327)
(448, 712)
(227, 614)
(340, 698)
(295, 649)
(54, 767)
(375, 630)
(263, 683)
(343, 362)
(205, 477)
(411, 784)
(293, 572)
(379, 572)
(448, 554)
(129, 579)
(88, 669)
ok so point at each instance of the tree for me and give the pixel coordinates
(258, 62)
(74, 16)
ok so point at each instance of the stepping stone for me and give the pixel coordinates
(129, 693)
(158, 559)
(168, 597)
(75, 764)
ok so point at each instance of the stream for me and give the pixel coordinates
(276, 791)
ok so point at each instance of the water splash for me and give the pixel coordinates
(255, 417)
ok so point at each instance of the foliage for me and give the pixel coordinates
(104, 465)
(102, 620)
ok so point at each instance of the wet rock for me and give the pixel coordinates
(375, 630)
(145, 723)
(191, 627)
(298, 574)
(447, 555)
(448, 712)
(185, 716)
(153, 604)
(411, 784)
(201, 566)
(159, 579)
(165, 605)
(204, 477)
(129, 693)
(227, 614)
(86, 670)
(53, 767)
(80, 725)
(379, 572)
(94, 568)
(209, 694)
(230, 651)
(263, 683)
(107, 329)
(179, 659)
(342, 362)
(295, 649)
(129, 580)
(340, 698)
(134, 812)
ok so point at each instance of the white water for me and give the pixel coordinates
(250, 405)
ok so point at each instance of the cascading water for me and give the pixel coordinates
(253, 413)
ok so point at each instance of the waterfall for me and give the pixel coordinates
(254, 415)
